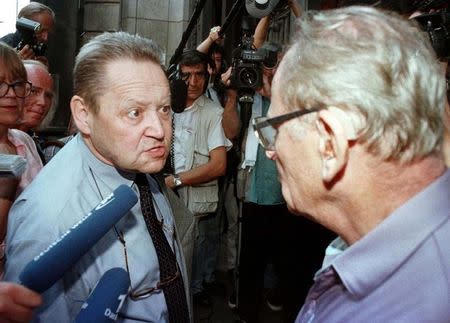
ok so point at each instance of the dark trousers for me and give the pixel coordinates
(260, 245)
(303, 245)
(294, 245)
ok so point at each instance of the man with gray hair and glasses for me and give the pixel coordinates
(121, 106)
(355, 128)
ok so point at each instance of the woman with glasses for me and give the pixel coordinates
(16, 301)
(14, 87)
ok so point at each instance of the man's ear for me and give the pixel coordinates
(333, 144)
(80, 114)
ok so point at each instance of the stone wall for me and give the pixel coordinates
(163, 21)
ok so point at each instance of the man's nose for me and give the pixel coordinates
(40, 98)
(194, 79)
(154, 127)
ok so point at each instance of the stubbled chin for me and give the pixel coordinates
(151, 167)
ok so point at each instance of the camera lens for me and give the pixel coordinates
(248, 77)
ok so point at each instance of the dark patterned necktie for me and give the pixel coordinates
(171, 284)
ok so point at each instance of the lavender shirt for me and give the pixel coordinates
(399, 272)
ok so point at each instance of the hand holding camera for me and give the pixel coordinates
(29, 46)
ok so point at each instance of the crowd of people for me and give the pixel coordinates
(347, 139)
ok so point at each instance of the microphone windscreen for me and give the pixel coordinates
(51, 264)
(106, 298)
(178, 94)
(259, 9)
(12, 165)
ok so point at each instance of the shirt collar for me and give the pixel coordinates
(200, 102)
(367, 263)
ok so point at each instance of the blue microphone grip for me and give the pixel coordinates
(51, 264)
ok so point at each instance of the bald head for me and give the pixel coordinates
(39, 102)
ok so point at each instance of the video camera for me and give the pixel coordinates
(247, 64)
(437, 26)
(28, 29)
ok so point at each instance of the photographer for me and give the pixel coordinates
(219, 76)
(198, 155)
(270, 235)
(41, 14)
(262, 28)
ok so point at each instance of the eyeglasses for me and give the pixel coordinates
(266, 129)
(21, 89)
(147, 291)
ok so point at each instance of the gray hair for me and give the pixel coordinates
(91, 61)
(374, 63)
(51, 112)
(35, 8)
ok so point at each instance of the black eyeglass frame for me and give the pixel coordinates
(13, 85)
(263, 122)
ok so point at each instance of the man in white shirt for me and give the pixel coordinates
(199, 158)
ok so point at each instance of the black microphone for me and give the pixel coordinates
(178, 94)
(106, 298)
(51, 264)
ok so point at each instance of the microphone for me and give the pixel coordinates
(12, 165)
(178, 89)
(51, 264)
(106, 298)
(178, 93)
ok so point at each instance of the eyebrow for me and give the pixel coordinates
(144, 104)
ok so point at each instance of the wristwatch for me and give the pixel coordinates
(177, 180)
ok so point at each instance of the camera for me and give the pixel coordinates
(437, 26)
(247, 64)
(28, 29)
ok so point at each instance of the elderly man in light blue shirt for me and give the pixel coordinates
(356, 130)
(122, 109)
